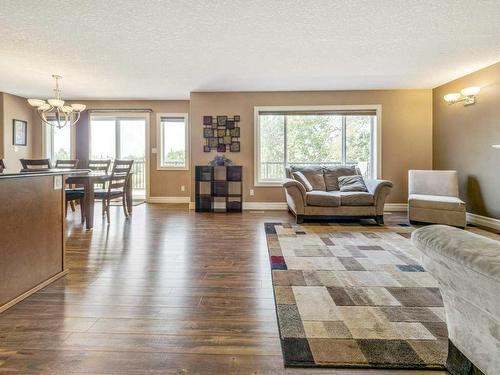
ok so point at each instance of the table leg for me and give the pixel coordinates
(128, 196)
(89, 203)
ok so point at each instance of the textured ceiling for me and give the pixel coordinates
(165, 49)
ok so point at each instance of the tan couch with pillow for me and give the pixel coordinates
(320, 192)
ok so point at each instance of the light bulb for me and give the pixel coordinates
(452, 98)
(470, 91)
(36, 102)
(56, 102)
(44, 107)
(78, 107)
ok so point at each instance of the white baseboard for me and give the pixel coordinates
(265, 206)
(169, 200)
(257, 206)
(484, 221)
(398, 207)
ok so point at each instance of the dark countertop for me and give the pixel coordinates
(12, 173)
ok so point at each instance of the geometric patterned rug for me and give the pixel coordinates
(355, 295)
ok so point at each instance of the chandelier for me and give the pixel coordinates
(54, 112)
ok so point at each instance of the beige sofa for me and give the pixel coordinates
(433, 198)
(319, 196)
(467, 267)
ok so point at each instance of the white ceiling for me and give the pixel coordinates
(159, 49)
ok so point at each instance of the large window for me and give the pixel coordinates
(302, 136)
(58, 143)
(121, 136)
(173, 143)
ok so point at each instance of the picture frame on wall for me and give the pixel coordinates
(213, 142)
(221, 148)
(208, 133)
(206, 148)
(221, 120)
(236, 118)
(235, 133)
(227, 140)
(207, 120)
(19, 132)
(235, 147)
(221, 133)
(230, 124)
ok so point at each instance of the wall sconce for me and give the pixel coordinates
(467, 95)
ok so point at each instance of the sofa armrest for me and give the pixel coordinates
(380, 190)
(295, 195)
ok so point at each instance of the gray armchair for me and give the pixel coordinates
(433, 198)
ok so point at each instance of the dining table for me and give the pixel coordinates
(87, 180)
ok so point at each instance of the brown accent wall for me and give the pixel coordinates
(406, 130)
(463, 137)
(162, 183)
(16, 107)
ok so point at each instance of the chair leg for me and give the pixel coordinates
(72, 204)
(124, 204)
(379, 219)
(107, 210)
(66, 209)
(82, 212)
(103, 207)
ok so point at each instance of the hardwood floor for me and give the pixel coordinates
(166, 291)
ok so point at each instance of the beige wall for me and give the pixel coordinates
(1, 125)
(406, 130)
(162, 183)
(463, 137)
(15, 107)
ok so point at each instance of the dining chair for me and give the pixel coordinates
(67, 164)
(100, 166)
(35, 163)
(73, 195)
(117, 186)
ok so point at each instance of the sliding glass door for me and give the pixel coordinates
(121, 137)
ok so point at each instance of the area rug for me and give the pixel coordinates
(354, 296)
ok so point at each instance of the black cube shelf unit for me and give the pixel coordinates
(218, 188)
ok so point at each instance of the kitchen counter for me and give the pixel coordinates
(32, 232)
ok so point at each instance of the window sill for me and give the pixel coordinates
(172, 168)
(268, 184)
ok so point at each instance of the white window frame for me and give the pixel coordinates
(124, 115)
(376, 140)
(45, 151)
(159, 142)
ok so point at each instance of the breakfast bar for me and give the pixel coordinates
(32, 233)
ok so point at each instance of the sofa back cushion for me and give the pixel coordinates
(352, 183)
(299, 176)
(332, 175)
(313, 174)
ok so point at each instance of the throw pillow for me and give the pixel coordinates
(299, 176)
(352, 183)
(333, 173)
(313, 174)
